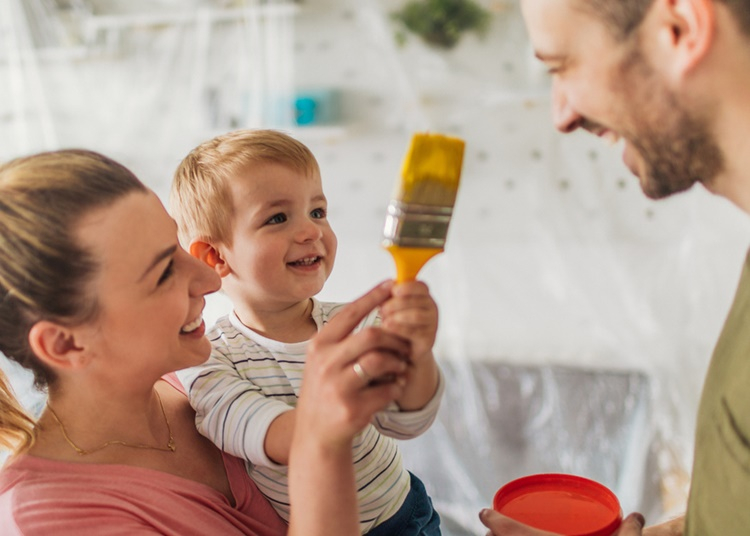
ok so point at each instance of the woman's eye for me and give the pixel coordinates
(167, 273)
(277, 218)
(318, 213)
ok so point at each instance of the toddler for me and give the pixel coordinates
(250, 204)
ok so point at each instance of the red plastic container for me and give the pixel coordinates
(560, 503)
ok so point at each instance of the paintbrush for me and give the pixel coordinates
(420, 210)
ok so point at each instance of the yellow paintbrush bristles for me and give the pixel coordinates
(431, 170)
(418, 215)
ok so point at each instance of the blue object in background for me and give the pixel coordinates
(316, 107)
(305, 108)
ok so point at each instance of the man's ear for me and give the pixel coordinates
(207, 252)
(56, 345)
(688, 29)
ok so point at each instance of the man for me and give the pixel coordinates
(672, 79)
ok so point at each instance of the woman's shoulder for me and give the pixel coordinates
(44, 474)
(7, 502)
(23, 468)
(76, 498)
(32, 491)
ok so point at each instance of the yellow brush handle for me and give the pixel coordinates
(409, 261)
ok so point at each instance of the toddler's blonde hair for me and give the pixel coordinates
(200, 198)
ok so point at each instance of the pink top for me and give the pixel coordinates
(41, 496)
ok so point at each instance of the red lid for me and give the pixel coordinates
(565, 504)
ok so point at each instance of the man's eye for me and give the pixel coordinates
(277, 218)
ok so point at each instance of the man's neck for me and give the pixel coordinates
(724, 80)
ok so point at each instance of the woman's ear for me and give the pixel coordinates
(209, 254)
(56, 345)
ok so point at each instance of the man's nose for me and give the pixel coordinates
(564, 115)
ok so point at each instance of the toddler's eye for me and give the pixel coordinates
(277, 218)
(318, 213)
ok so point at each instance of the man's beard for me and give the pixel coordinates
(675, 145)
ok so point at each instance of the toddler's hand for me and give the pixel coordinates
(411, 313)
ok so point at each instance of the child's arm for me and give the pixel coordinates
(412, 314)
(234, 413)
(279, 437)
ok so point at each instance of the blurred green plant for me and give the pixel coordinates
(440, 23)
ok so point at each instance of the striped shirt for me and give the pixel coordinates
(249, 380)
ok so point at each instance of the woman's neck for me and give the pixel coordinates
(79, 424)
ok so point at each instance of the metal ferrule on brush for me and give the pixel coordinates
(416, 226)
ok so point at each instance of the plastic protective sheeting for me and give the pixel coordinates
(500, 421)
(137, 80)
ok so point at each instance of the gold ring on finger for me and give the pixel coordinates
(360, 371)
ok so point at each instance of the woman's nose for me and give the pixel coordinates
(205, 280)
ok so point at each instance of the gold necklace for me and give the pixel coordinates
(81, 452)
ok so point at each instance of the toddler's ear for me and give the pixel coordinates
(207, 253)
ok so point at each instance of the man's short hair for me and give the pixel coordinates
(625, 16)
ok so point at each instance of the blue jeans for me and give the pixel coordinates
(416, 517)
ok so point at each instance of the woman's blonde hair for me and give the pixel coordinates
(16, 425)
(44, 273)
(200, 199)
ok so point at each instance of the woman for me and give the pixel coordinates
(98, 300)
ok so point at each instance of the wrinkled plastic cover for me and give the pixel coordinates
(500, 421)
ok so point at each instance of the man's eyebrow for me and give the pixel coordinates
(168, 252)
